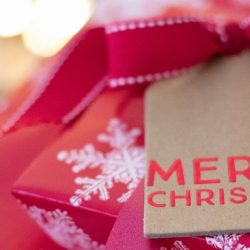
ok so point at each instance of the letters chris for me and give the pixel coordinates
(209, 191)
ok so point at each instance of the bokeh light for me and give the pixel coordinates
(53, 23)
(15, 16)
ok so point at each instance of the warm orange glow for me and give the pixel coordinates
(54, 22)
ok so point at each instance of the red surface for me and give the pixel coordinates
(17, 150)
(39, 185)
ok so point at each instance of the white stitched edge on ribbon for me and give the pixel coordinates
(26, 105)
(122, 81)
(130, 80)
(85, 101)
(142, 24)
(115, 82)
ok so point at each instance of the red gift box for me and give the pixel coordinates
(17, 152)
(75, 189)
(79, 183)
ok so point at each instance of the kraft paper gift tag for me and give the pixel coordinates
(198, 151)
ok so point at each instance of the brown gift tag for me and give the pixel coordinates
(198, 150)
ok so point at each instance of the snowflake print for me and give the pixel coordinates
(62, 229)
(124, 163)
(225, 242)
(179, 245)
(241, 247)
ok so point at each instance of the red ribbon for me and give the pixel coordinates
(122, 54)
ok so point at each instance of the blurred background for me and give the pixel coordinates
(33, 31)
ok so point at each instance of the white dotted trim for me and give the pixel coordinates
(86, 100)
(27, 104)
(218, 29)
(131, 80)
(122, 81)
(113, 28)
(143, 24)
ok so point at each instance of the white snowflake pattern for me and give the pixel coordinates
(62, 229)
(124, 163)
(241, 247)
(179, 245)
(226, 242)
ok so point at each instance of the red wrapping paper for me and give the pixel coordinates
(104, 148)
(17, 150)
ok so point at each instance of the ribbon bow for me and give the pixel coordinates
(124, 54)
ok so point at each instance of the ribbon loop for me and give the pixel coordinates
(141, 51)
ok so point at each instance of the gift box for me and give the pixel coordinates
(25, 145)
(75, 189)
(81, 182)
(18, 149)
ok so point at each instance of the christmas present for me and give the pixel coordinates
(75, 189)
(118, 103)
(104, 148)
(90, 191)
(17, 150)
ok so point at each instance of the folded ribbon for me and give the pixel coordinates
(123, 54)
